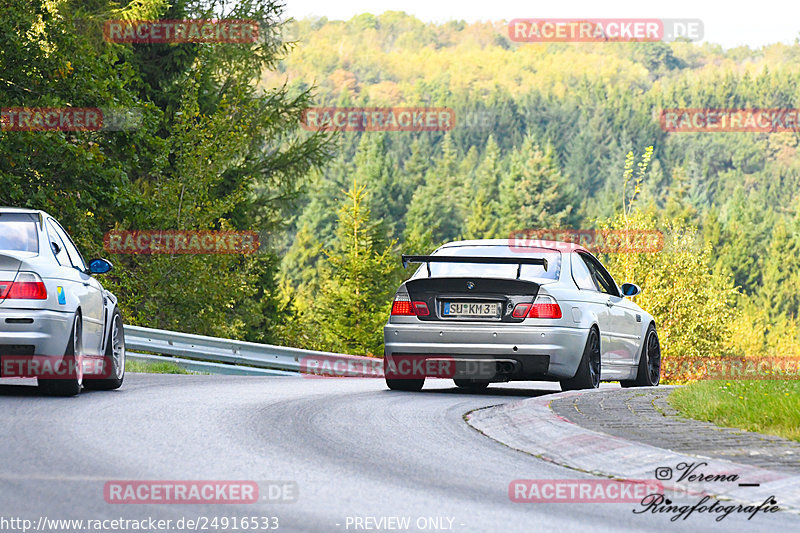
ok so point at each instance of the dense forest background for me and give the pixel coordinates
(544, 135)
(541, 139)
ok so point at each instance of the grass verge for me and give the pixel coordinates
(764, 406)
(153, 368)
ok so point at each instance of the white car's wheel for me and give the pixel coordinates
(114, 357)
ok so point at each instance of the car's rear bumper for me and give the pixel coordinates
(34, 332)
(535, 352)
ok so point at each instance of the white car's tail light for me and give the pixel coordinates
(26, 286)
(542, 307)
(403, 306)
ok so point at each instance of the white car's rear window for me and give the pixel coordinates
(18, 233)
(528, 272)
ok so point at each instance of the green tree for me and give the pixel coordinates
(483, 219)
(359, 277)
(437, 207)
(533, 192)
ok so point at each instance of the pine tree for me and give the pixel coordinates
(359, 277)
(438, 206)
(533, 192)
(483, 219)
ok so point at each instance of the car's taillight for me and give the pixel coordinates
(27, 286)
(542, 307)
(545, 307)
(521, 310)
(403, 306)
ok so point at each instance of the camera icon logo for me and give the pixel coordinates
(663, 473)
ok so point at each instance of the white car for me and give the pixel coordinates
(57, 323)
(481, 311)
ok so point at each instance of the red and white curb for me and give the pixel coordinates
(532, 427)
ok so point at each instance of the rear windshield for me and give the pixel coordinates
(529, 272)
(18, 233)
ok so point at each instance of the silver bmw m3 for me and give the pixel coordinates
(481, 311)
(57, 323)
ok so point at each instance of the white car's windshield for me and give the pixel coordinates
(18, 233)
(528, 272)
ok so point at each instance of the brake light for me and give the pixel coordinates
(27, 286)
(542, 307)
(521, 310)
(403, 306)
(545, 307)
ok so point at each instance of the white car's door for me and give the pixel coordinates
(618, 334)
(82, 286)
(623, 329)
(597, 303)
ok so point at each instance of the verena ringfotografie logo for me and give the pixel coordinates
(730, 120)
(135, 492)
(578, 30)
(582, 490)
(596, 241)
(51, 119)
(181, 242)
(378, 119)
(55, 367)
(181, 31)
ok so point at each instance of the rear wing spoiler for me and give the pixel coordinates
(519, 261)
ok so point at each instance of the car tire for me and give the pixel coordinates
(114, 357)
(71, 386)
(588, 373)
(410, 385)
(471, 384)
(649, 369)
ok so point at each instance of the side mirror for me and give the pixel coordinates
(56, 248)
(99, 266)
(629, 290)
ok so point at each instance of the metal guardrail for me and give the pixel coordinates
(224, 356)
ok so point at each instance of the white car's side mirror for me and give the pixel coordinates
(630, 289)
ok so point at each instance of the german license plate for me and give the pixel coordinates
(471, 309)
